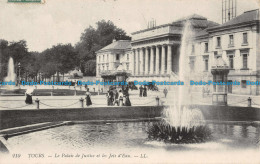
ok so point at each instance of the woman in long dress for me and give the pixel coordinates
(88, 99)
(29, 93)
(145, 91)
(110, 96)
(127, 100)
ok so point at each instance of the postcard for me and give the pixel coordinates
(129, 81)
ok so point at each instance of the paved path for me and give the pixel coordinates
(18, 102)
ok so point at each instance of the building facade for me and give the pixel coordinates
(109, 58)
(237, 42)
(153, 53)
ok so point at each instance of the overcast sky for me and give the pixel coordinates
(63, 21)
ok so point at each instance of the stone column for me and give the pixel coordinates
(141, 61)
(146, 60)
(157, 60)
(163, 60)
(152, 61)
(169, 59)
(132, 58)
(137, 62)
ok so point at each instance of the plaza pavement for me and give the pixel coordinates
(52, 102)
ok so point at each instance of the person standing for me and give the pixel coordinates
(88, 99)
(29, 93)
(165, 91)
(141, 91)
(116, 98)
(120, 96)
(110, 97)
(127, 100)
(145, 91)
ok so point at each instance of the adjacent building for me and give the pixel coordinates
(111, 57)
(237, 42)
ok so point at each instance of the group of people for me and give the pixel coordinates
(143, 91)
(114, 96)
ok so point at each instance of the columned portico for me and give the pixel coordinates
(153, 60)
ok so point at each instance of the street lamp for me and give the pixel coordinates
(19, 78)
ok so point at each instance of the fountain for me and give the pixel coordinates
(11, 76)
(181, 124)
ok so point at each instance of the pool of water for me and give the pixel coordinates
(228, 141)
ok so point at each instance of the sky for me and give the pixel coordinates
(63, 21)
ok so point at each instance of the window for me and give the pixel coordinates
(206, 47)
(206, 64)
(243, 83)
(117, 56)
(99, 58)
(107, 67)
(245, 38)
(244, 60)
(127, 56)
(103, 57)
(231, 61)
(193, 48)
(218, 42)
(127, 66)
(231, 40)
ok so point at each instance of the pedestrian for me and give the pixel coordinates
(141, 91)
(120, 96)
(116, 101)
(110, 97)
(145, 91)
(165, 91)
(88, 99)
(28, 94)
(127, 99)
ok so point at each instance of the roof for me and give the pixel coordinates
(193, 16)
(201, 33)
(117, 45)
(196, 21)
(248, 16)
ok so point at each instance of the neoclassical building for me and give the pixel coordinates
(153, 53)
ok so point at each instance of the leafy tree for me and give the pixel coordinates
(60, 58)
(92, 40)
(17, 50)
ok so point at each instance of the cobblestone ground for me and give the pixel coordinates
(52, 102)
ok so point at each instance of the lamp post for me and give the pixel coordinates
(19, 69)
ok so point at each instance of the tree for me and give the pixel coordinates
(58, 59)
(17, 50)
(92, 40)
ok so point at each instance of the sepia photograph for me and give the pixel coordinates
(129, 81)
